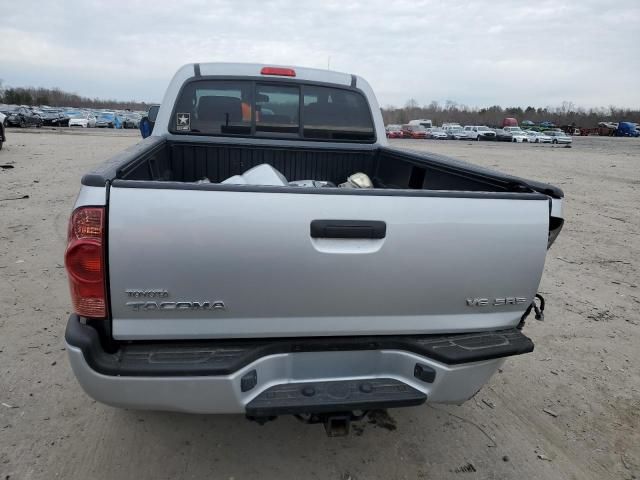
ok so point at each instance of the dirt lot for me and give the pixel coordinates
(584, 371)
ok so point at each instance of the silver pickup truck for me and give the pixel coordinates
(266, 252)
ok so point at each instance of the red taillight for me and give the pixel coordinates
(282, 72)
(84, 259)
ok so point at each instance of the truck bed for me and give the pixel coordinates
(158, 159)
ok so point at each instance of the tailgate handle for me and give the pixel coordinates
(348, 229)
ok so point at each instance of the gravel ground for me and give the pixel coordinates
(569, 410)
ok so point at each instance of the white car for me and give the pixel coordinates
(448, 126)
(436, 133)
(479, 132)
(538, 137)
(456, 133)
(82, 119)
(517, 134)
(559, 137)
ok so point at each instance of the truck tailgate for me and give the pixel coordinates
(190, 264)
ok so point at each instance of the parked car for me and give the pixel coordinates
(509, 122)
(517, 134)
(23, 117)
(479, 132)
(447, 126)
(456, 133)
(3, 139)
(53, 117)
(394, 131)
(131, 120)
(570, 130)
(7, 111)
(503, 135)
(627, 129)
(81, 119)
(108, 120)
(436, 133)
(558, 137)
(537, 137)
(414, 131)
(411, 285)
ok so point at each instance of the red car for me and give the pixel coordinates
(414, 131)
(394, 131)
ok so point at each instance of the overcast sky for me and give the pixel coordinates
(478, 53)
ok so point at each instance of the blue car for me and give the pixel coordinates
(627, 129)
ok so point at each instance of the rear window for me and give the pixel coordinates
(214, 107)
(277, 109)
(262, 109)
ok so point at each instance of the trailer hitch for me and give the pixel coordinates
(336, 424)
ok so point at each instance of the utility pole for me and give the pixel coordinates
(329, 62)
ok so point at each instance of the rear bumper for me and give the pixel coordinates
(263, 376)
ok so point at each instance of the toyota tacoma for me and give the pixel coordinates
(265, 252)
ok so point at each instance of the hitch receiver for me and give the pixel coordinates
(337, 425)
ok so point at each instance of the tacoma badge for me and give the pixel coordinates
(180, 305)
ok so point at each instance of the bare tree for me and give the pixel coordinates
(59, 98)
(565, 114)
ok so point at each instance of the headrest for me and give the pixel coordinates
(216, 109)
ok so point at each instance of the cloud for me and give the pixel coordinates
(476, 53)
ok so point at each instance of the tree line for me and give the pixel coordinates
(565, 114)
(450, 111)
(56, 97)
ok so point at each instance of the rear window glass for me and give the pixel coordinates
(277, 109)
(336, 114)
(214, 107)
(254, 108)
